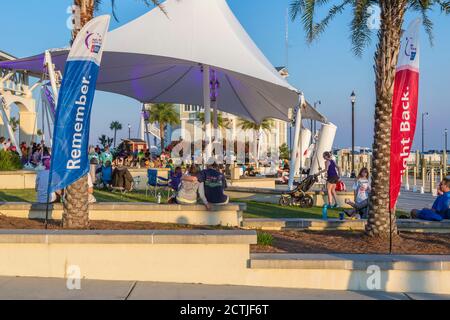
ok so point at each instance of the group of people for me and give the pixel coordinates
(362, 188)
(208, 185)
(33, 154)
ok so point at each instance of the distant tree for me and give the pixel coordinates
(266, 125)
(165, 114)
(105, 141)
(39, 133)
(115, 126)
(221, 122)
(284, 152)
(14, 123)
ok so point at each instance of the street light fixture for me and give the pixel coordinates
(129, 131)
(353, 100)
(423, 133)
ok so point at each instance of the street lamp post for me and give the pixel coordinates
(353, 100)
(129, 131)
(314, 127)
(445, 151)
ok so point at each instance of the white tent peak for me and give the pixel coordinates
(202, 31)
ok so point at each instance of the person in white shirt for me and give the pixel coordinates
(42, 184)
(362, 188)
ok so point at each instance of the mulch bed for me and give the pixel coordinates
(20, 223)
(284, 241)
(354, 242)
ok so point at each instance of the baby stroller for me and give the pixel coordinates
(298, 196)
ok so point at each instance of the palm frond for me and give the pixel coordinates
(334, 11)
(423, 6)
(360, 31)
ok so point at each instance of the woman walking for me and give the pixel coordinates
(333, 177)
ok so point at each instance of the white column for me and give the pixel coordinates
(207, 105)
(183, 129)
(295, 145)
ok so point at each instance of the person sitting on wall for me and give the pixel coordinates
(42, 185)
(175, 178)
(122, 178)
(441, 205)
(212, 186)
(362, 188)
(188, 189)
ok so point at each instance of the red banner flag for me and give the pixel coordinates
(404, 107)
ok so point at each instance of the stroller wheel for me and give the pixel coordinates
(306, 202)
(285, 200)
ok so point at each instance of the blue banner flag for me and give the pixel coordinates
(71, 133)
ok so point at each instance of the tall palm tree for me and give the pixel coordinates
(257, 128)
(115, 126)
(165, 114)
(76, 209)
(14, 123)
(221, 122)
(386, 56)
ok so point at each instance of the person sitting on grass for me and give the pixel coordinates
(441, 205)
(362, 190)
(212, 186)
(122, 178)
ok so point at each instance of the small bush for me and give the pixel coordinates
(9, 161)
(265, 239)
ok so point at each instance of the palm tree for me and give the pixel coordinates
(265, 126)
(386, 56)
(221, 122)
(105, 141)
(165, 114)
(14, 123)
(76, 209)
(115, 125)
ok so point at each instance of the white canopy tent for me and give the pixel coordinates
(156, 58)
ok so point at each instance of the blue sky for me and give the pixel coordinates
(326, 70)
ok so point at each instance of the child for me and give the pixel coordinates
(175, 178)
(362, 190)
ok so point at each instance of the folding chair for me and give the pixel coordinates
(155, 182)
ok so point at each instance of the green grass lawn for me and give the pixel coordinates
(254, 209)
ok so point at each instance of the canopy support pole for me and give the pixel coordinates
(295, 147)
(207, 105)
(51, 74)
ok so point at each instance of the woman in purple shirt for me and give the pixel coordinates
(333, 176)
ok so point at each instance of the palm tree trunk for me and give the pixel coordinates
(161, 135)
(115, 135)
(380, 222)
(76, 204)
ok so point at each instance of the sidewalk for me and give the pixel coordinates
(46, 288)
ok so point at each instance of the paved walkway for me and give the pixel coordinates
(407, 201)
(46, 288)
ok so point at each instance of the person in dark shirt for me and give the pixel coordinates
(212, 186)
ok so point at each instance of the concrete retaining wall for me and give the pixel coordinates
(228, 215)
(209, 257)
(17, 180)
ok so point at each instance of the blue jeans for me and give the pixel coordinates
(430, 215)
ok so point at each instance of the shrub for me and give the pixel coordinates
(9, 161)
(265, 239)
